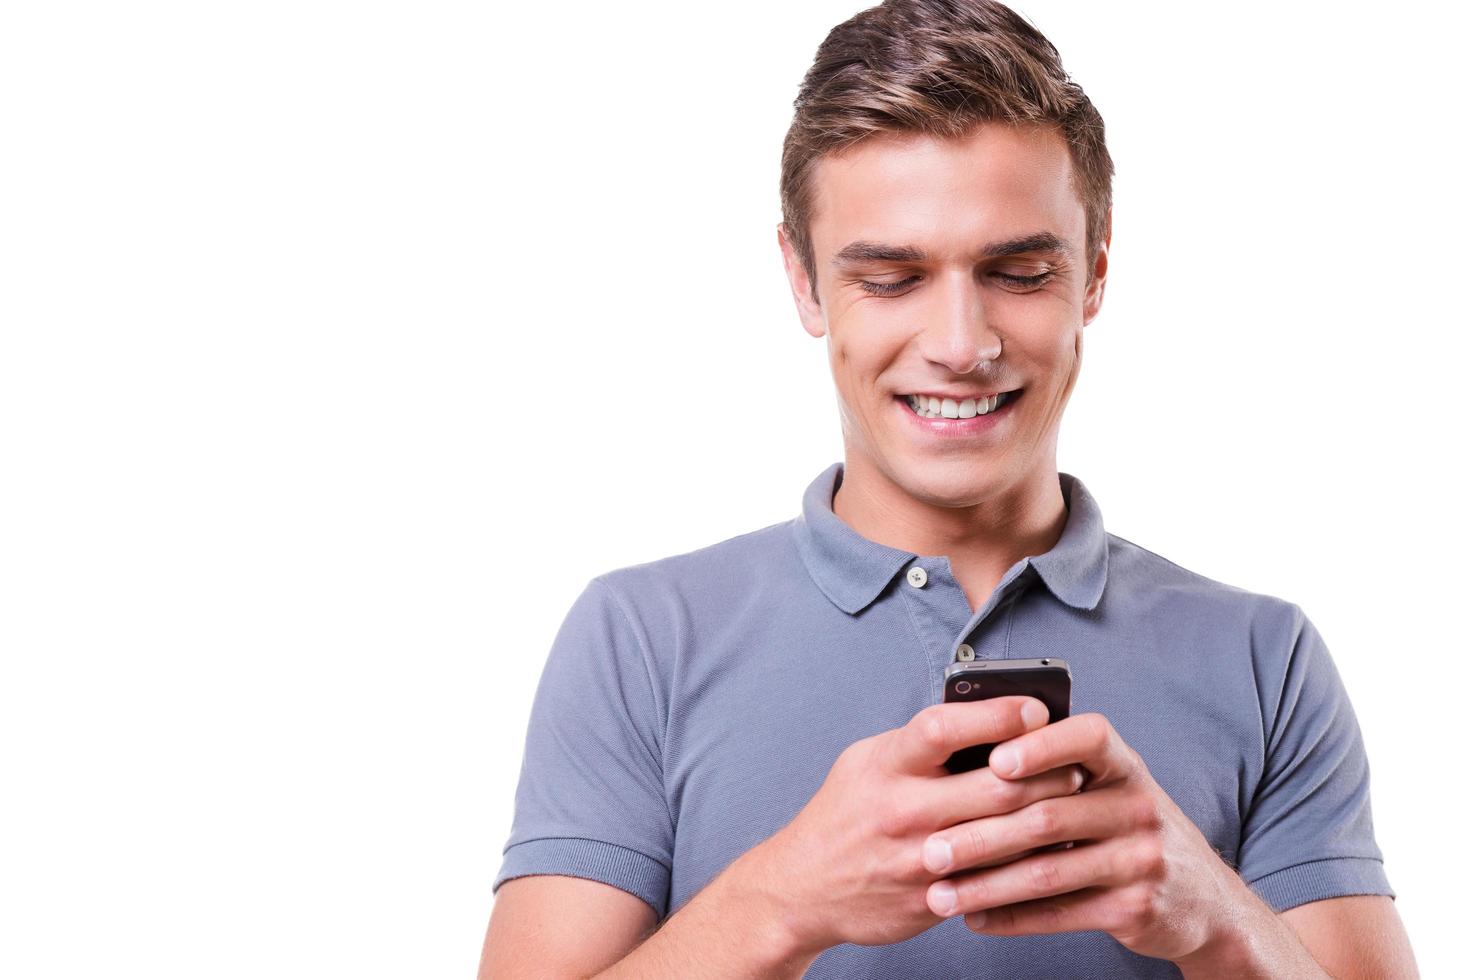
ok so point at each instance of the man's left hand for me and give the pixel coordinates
(1139, 869)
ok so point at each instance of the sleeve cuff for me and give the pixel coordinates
(1327, 878)
(611, 864)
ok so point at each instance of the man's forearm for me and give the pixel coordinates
(734, 928)
(1256, 945)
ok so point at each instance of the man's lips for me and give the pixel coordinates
(961, 396)
(959, 427)
(934, 403)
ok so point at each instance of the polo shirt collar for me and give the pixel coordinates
(852, 571)
(1075, 569)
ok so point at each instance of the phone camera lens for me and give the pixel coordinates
(962, 687)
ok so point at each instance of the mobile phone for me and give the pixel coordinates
(1047, 680)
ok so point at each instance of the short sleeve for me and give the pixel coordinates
(590, 800)
(1308, 833)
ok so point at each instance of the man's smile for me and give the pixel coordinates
(954, 418)
(958, 405)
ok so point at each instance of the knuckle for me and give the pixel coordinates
(909, 866)
(931, 727)
(896, 819)
(1010, 797)
(1006, 794)
(1041, 821)
(1132, 911)
(1147, 815)
(1045, 875)
(913, 906)
(973, 893)
(1052, 916)
(854, 754)
(1144, 907)
(1098, 730)
(975, 848)
(1149, 861)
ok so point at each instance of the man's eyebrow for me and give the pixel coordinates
(865, 251)
(1041, 241)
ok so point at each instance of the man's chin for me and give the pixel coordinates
(947, 482)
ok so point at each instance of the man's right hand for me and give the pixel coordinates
(849, 867)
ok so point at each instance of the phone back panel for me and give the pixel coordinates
(1049, 683)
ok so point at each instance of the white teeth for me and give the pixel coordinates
(929, 407)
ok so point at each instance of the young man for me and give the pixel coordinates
(739, 749)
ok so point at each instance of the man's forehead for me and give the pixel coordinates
(892, 155)
(992, 192)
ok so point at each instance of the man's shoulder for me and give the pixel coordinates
(753, 556)
(1153, 584)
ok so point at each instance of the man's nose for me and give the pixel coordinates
(961, 335)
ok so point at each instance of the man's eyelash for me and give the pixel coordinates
(1035, 280)
(888, 288)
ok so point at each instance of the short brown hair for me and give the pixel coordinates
(938, 68)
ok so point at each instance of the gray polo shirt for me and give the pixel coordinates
(691, 706)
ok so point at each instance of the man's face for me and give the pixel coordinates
(990, 298)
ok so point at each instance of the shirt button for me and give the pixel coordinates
(966, 652)
(917, 577)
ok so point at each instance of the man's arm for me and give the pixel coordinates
(560, 926)
(736, 928)
(1355, 936)
(1358, 937)
(554, 926)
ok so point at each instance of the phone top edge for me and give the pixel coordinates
(1005, 666)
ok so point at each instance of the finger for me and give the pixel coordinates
(979, 793)
(1087, 740)
(1096, 815)
(1078, 911)
(936, 732)
(1038, 876)
(1005, 860)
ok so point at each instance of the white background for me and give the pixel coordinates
(343, 343)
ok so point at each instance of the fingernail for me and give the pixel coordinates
(975, 920)
(1034, 714)
(942, 898)
(1005, 759)
(937, 854)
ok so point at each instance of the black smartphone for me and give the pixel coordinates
(1048, 681)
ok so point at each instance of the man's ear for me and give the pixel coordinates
(808, 307)
(1091, 303)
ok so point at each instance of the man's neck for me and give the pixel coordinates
(981, 541)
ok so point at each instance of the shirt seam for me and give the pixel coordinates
(1320, 860)
(653, 694)
(1290, 669)
(590, 840)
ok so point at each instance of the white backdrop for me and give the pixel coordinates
(343, 343)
